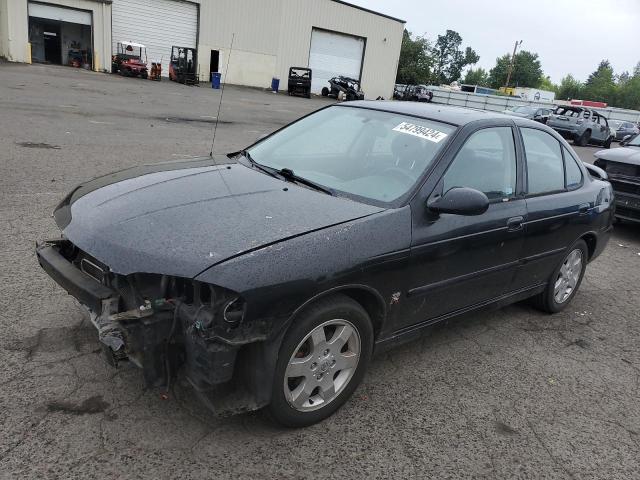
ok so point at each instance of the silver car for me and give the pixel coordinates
(582, 125)
(527, 111)
(624, 129)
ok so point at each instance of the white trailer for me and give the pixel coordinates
(534, 94)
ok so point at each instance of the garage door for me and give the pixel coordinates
(157, 24)
(52, 12)
(334, 54)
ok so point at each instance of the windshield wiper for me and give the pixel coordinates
(291, 176)
(269, 171)
(285, 173)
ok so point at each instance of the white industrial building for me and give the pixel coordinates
(329, 36)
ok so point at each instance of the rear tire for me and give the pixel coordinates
(607, 143)
(325, 92)
(321, 361)
(583, 139)
(565, 280)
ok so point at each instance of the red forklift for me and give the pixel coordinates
(183, 67)
(130, 60)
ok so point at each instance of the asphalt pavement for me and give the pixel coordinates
(508, 394)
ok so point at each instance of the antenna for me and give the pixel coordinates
(215, 127)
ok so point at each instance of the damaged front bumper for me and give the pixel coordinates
(160, 335)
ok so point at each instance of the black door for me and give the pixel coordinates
(463, 261)
(557, 209)
(52, 45)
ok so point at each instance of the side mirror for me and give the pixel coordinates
(624, 140)
(595, 171)
(460, 201)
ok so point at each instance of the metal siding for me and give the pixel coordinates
(157, 24)
(273, 35)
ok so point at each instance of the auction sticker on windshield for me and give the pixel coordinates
(427, 133)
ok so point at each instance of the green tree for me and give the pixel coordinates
(448, 59)
(569, 88)
(600, 85)
(414, 65)
(526, 72)
(478, 76)
(547, 84)
(628, 90)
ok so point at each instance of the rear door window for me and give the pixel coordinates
(545, 168)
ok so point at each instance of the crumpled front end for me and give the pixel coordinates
(158, 322)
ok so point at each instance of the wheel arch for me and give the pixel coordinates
(369, 298)
(591, 239)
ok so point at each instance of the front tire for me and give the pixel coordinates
(321, 361)
(607, 143)
(565, 280)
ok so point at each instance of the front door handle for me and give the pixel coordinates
(583, 209)
(514, 224)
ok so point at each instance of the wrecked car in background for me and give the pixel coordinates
(582, 125)
(622, 166)
(274, 273)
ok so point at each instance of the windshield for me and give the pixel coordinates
(366, 153)
(523, 109)
(634, 142)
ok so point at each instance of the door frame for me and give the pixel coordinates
(93, 36)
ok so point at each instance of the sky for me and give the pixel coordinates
(570, 36)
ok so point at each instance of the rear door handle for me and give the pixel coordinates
(583, 209)
(514, 224)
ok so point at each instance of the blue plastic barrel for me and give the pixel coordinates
(215, 80)
(275, 84)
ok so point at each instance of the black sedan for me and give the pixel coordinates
(273, 274)
(623, 169)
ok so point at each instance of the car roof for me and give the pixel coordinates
(445, 113)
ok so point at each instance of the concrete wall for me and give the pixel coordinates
(3, 27)
(497, 103)
(14, 36)
(273, 35)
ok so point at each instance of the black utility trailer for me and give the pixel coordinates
(299, 81)
(349, 86)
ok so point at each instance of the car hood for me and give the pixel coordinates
(181, 218)
(622, 154)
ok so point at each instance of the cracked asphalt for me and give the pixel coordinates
(508, 394)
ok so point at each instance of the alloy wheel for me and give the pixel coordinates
(568, 276)
(322, 365)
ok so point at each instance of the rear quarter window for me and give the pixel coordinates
(573, 173)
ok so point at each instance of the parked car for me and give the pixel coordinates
(622, 165)
(582, 125)
(623, 129)
(532, 113)
(274, 273)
